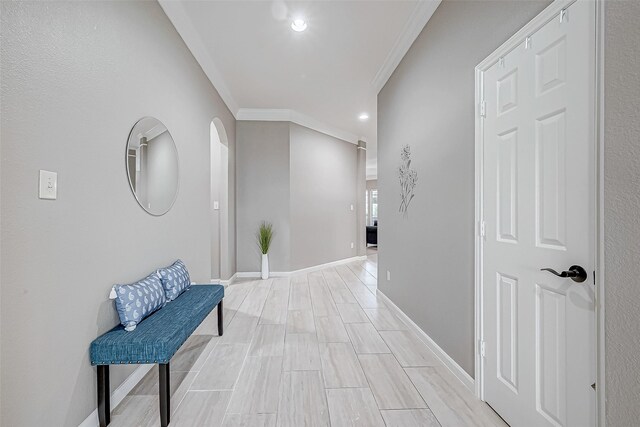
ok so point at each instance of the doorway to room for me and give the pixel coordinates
(219, 206)
(371, 212)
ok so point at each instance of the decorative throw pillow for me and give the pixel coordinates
(175, 279)
(138, 300)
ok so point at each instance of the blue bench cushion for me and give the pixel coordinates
(159, 336)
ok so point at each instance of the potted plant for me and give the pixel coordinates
(265, 235)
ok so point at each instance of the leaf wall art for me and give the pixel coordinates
(408, 179)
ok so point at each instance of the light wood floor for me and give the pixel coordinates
(319, 349)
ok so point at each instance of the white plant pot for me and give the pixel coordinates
(265, 266)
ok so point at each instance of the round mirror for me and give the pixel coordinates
(152, 166)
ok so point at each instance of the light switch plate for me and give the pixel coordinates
(48, 185)
(216, 205)
(351, 207)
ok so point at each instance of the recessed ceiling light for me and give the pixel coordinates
(298, 25)
(364, 116)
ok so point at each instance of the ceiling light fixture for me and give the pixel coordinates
(298, 25)
(364, 116)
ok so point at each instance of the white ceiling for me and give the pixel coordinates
(322, 78)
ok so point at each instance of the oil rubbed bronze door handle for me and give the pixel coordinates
(575, 273)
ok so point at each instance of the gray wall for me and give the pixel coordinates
(302, 181)
(621, 208)
(75, 78)
(429, 103)
(263, 192)
(323, 189)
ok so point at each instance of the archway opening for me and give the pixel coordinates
(219, 147)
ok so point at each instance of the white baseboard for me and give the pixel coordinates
(256, 274)
(225, 283)
(446, 360)
(230, 280)
(119, 394)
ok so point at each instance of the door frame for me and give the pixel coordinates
(548, 14)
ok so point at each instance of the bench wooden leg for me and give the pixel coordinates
(220, 320)
(104, 396)
(165, 394)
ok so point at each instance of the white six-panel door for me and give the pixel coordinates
(538, 210)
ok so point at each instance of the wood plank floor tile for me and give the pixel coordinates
(142, 409)
(353, 407)
(389, 383)
(340, 366)
(408, 349)
(451, 403)
(201, 408)
(254, 392)
(277, 304)
(322, 301)
(384, 320)
(336, 356)
(254, 302)
(268, 341)
(331, 329)
(352, 313)
(299, 298)
(240, 330)
(366, 298)
(221, 369)
(192, 353)
(409, 418)
(339, 291)
(301, 353)
(302, 400)
(300, 322)
(249, 420)
(365, 338)
(362, 274)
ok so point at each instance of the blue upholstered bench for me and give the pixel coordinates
(155, 340)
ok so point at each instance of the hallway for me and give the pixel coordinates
(313, 349)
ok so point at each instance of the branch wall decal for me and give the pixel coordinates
(408, 179)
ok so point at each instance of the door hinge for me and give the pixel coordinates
(483, 109)
(593, 386)
(482, 349)
(481, 229)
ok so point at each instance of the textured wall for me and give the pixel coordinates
(621, 209)
(429, 103)
(323, 188)
(263, 192)
(75, 78)
(303, 182)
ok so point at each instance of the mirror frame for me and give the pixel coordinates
(126, 161)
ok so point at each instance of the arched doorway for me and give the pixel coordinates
(219, 146)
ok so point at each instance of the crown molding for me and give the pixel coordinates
(419, 18)
(178, 17)
(286, 115)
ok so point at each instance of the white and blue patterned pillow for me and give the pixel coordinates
(175, 279)
(138, 300)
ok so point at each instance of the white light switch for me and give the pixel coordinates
(388, 275)
(48, 185)
(352, 245)
(351, 207)
(216, 205)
